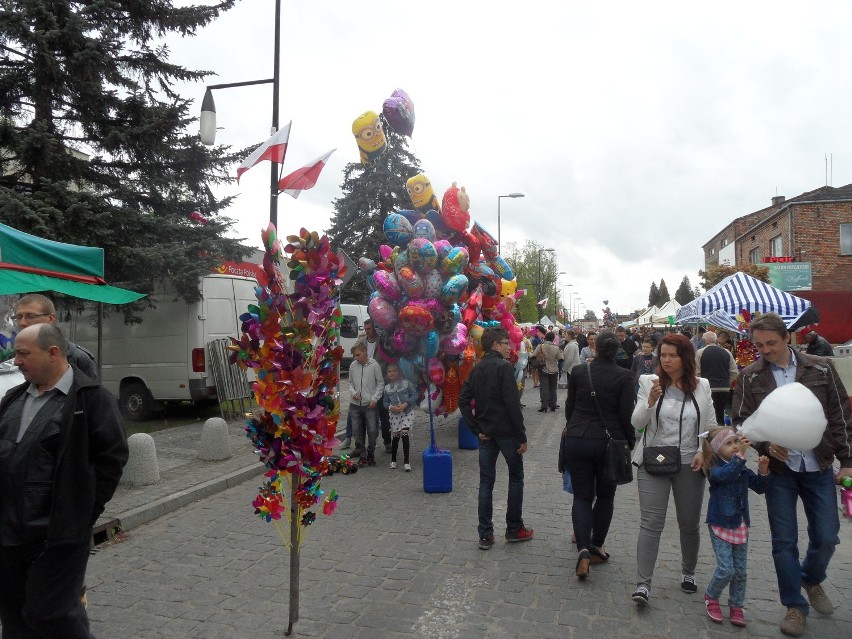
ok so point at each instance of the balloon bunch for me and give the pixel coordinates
(437, 287)
(608, 317)
(288, 341)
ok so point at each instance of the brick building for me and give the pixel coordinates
(808, 238)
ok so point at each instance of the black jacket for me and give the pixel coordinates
(614, 389)
(87, 455)
(491, 387)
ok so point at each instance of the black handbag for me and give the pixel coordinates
(665, 460)
(617, 467)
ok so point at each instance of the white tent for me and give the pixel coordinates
(645, 318)
(669, 309)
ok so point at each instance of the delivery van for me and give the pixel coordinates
(164, 358)
(353, 326)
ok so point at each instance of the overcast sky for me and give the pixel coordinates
(635, 130)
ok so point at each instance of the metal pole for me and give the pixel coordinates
(273, 180)
(294, 554)
(499, 246)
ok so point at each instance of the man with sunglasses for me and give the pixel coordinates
(38, 309)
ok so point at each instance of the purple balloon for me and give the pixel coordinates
(399, 112)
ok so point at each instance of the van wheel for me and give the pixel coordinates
(135, 402)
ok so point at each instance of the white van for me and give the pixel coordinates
(353, 326)
(164, 357)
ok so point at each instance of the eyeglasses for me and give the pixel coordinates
(29, 316)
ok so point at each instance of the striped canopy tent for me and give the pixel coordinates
(740, 292)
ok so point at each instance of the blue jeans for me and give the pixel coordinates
(366, 426)
(731, 567)
(489, 450)
(819, 499)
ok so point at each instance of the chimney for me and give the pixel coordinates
(778, 200)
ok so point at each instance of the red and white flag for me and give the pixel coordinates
(543, 302)
(274, 150)
(304, 178)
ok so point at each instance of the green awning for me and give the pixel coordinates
(15, 282)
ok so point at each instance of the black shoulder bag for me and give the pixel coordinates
(617, 467)
(665, 460)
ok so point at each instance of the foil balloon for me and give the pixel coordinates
(452, 388)
(398, 110)
(443, 247)
(385, 251)
(406, 367)
(402, 342)
(435, 399)
(431, 305)
(424, 228)
(415, 320)
(480, 270)
(430, 344)
(455, 261)
(454, 209)
(468, 360)
(501, 267)
(445, 322)
(436, 371)
(411, 282)
(382, 313)
(397, 229)
(387, 285)
(433, 281)
(422, 255)
(486, 241)
(474, 250)
(452, 289)
(422, 196)
(366, 264)
(455, 342)
(367, 129)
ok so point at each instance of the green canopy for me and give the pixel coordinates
(29, 264)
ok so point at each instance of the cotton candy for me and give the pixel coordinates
(790, 416)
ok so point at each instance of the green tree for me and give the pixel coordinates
(716, 273)
(684, 294)
(663, 294)
(95, 148)
(370, 193)
(654, 295)
(590, 315)
(537, 271)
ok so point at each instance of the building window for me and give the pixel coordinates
(754, 256)
(776, 246)
(712, 251)
(846, 239)
(725, 242)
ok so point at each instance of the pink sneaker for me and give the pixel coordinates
(737, 617)
(713, 609)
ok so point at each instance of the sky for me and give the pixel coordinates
(636, 131)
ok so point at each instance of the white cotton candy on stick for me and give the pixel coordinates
(790, 416)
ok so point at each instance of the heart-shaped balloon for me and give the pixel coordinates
(415, 320)
(398, 110)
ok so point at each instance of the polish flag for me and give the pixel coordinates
(543, 302)
(274, 150)
(304, 178)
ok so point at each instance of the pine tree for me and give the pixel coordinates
(370, 193)
(654, 295)
(663, 294)
(684, 294)
(94, 148)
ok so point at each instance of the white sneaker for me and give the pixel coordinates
(347, 443)
(393, 464)
(408, 468)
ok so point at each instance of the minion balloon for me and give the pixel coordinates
(367, 129)
(422, 196)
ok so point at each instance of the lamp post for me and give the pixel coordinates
(538, 285)
(500, 197)
(570, 295)
(208, 113)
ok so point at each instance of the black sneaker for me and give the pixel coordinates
(521, 534)
(640, 595)
(485, 543)
(687, 584)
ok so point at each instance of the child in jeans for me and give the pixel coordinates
(400, 399)
(728, 518)
(366, 385)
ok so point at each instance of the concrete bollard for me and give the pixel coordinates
(215, 440)
(142, 468)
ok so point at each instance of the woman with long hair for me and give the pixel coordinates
(588, 418)
(672, 408)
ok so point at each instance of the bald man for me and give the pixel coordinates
(62, 451)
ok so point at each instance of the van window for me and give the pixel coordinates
(349, 327)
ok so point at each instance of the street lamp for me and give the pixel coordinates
(500, 197)
(570, 295)
(538, 286)
(207, 123)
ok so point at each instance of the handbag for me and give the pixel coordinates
(665, 460)
(618, 468)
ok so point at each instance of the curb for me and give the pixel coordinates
(149, 512)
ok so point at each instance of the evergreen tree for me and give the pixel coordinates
(654, 295)
(684, 294)
(663, 294)
(370, 193)
(716, 273)
(93, 142)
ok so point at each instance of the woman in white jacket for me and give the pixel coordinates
(672, 408)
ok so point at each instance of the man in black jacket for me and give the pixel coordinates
(62, 450)
(817, 344)
(491, 405)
